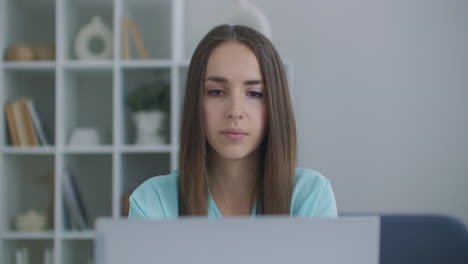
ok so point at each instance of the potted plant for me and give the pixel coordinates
(150, 105)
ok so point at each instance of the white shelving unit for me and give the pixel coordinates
(70, 93)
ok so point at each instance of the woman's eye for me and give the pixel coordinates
(215, 92)
(255, 94)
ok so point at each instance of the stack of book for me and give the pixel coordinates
(24, 125)
(22, 256)
(76, 214)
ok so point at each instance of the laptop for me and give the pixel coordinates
(257, 240)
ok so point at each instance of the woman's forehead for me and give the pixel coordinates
(233, 60)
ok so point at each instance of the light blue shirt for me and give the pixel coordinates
(157, 198)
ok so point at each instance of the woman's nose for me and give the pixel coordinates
(235, 115)
(235, 108)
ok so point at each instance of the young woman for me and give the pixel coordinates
(238, 139)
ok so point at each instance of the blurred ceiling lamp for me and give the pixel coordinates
(247, 14)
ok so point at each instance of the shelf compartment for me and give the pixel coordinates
(138, 168)
(93, 177)
(78, 251)
(33, 175)
(88, 104)
(40, 88)
(30, 22)
(153, 20)
(132, 80)
(36, 249)
(77, 15)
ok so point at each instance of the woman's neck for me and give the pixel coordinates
(233, 182)
(233, 174)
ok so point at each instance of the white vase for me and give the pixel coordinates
(148, 126)
(246, 13)
(95, 29)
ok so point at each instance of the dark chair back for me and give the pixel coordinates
(423, 239)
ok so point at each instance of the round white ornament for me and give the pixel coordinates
(95, 30)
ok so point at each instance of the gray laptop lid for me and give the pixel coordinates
(239, 240)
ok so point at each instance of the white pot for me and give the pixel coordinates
(85, 136)
(148, 125)
(31, 221)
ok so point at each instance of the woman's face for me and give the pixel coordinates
(234, 107)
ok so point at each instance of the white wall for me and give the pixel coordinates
(380, 90)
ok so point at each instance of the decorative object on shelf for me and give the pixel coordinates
(44, 52)
(31, 221)
(19, 52)
(148, 125)
(150, 106)
(85, 136)
(30, 52)
(128, 24)
(95, 33)
(247, 14)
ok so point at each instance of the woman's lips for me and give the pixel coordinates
(234, 136)
(234, 133)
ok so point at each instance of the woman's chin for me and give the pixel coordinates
(234, 153)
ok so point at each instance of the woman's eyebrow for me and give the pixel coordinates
(217, 79)
(253, 82)
(223, 80)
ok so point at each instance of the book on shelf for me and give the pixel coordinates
(28, 123)
(76, 215)
(48, 256)
(24, 125)
(11, 123)
(38, 127)
(22, 256)
(20, 123)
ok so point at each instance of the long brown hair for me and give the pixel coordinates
(279, 150)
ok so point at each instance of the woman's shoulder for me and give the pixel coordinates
(312, 194)
(156, 197)
(158, 183)
(308, 177)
